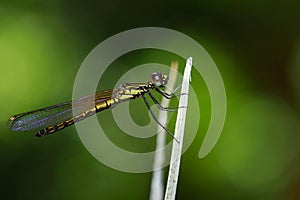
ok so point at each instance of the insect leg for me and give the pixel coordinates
(154, 117)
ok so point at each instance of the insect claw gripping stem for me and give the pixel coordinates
(154, 117)
(160, 107)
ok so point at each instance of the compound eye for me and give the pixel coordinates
(157, 79)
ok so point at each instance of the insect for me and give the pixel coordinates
(57, 117)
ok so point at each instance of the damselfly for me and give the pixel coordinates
(57, 117)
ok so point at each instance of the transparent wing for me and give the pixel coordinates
(56, 114)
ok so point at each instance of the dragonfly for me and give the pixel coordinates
(54, 118)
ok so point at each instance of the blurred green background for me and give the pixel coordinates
(256, 46)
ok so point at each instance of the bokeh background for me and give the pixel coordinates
(256, 46)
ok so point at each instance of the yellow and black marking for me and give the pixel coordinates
(57, 117)
(53, 129)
